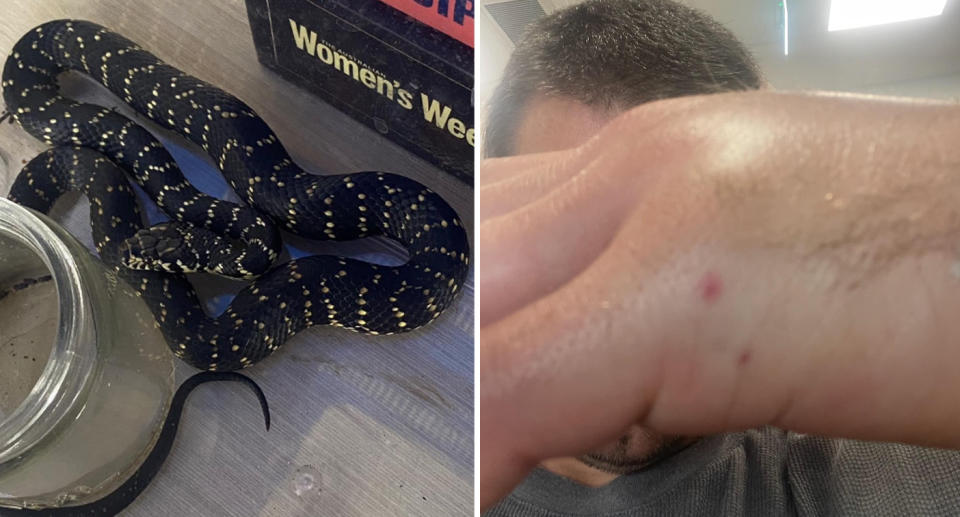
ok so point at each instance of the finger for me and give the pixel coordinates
(493, 170)
(546, 384)
(574, 368)
(513, 182)
(539, 228)
(539, 343)
(534, 249)
(530, 183)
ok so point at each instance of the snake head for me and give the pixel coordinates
(179, 247)
(163, 247)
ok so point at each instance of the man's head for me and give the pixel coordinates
(578, 68)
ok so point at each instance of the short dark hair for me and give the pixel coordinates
(616, 54)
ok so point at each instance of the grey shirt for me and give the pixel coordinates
(759, 472)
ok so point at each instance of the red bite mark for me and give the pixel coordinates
(711, 287)
(744, 358)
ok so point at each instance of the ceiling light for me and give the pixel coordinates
(850, 14)
(786, 28)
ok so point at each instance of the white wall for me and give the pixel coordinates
(945, 88)
(493, 49)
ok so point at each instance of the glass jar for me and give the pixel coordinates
(86, 378)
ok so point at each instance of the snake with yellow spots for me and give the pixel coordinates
(97, 149)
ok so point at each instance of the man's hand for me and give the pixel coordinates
(716, 263)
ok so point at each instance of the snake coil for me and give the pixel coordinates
(95, 145)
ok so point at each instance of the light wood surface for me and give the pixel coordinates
(385, 424)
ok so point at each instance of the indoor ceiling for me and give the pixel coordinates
(865, 59)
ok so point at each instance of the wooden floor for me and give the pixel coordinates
(383, 425)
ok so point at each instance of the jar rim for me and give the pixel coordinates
(73, 354)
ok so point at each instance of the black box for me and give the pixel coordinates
(410, 82)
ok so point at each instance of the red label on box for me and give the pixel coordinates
(452, 17)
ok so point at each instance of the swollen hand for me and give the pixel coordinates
(716, 263)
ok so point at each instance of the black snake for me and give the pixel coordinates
(95, 144)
